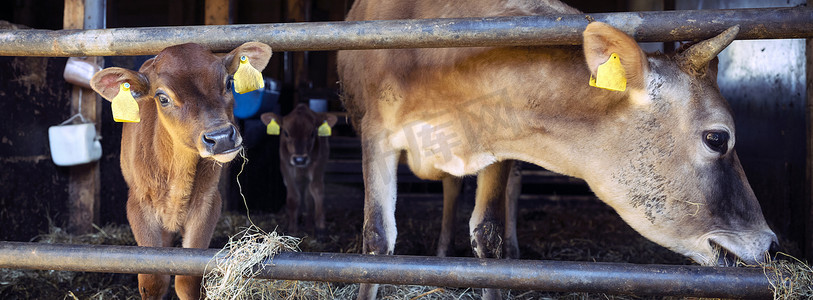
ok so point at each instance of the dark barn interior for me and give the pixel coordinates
(764, 81)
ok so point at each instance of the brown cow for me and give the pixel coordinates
(171, 160)
(303, 156)
(660, 152)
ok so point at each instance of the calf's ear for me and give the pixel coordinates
(258, 55)
(267, 117)
(331, 119)
(602, 40)
(107, 82)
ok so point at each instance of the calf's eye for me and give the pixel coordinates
(716, 140)
(163, 99)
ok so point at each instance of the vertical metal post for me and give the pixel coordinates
(808, 200)
(95, 14)
(807, 246)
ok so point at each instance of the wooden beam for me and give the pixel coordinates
(298, 11)
(84, 182)
(74, 15)
(217, 12)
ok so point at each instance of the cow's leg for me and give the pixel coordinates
(487, 220)
(148, 233)
(200, 225)
(317, 193)
(380, 163)
(513, 189)
(451, 190)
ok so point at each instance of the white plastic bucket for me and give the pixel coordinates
(74, 144)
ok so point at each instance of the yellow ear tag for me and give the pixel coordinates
(272, 128)
(125, 107)
(247, 78)
(324, 130)
(610, 75)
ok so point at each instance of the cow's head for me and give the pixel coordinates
(298, 132)
(189, 90)
(664, 157)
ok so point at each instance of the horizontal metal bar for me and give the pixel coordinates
(663, 26)
(612, 278)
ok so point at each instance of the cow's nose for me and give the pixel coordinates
(299, 160)
(220, 140)
(774, 248)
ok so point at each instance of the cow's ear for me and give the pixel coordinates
(267, 117)
(107, 82)
(713, 67)
(331, 119)
(602, 40)
(258, 55)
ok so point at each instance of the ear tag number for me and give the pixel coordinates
(272, 128)
(324, 130)
(610, 75)
(247, 78)
(124, 106)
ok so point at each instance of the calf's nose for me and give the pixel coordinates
(299, 160)
(220, 140)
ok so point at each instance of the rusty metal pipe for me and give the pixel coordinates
(655, 26)
(612, 278)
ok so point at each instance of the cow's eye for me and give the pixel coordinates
(285, 132)
(716, 140)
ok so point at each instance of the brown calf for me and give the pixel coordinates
(171, 160)
(303, 156)
(660, 151)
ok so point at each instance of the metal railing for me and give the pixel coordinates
(612, 278)
(654, 26)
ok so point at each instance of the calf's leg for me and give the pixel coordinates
(292, 200)
(317, 192)
(148, 233)
(200, 225)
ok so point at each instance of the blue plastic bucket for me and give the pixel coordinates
(252, 104)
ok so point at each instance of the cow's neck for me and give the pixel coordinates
(563, 112)
(531, 104)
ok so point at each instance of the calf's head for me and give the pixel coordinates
(298, 133)
(663, 151)
(186, 92)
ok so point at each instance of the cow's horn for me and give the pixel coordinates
(699, 55)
